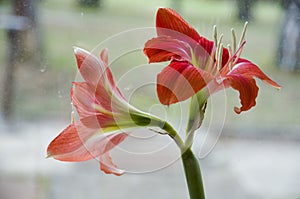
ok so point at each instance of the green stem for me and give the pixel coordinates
(190, 164)
(193, 174)
(173, 134)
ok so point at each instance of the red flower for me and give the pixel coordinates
(103, 112)
(198, 63)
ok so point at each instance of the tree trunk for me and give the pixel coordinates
(89, 3)
(289, 44)
(13, 47)
(244, 9)
(22, 24)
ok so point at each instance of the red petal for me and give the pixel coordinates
(247, 88)
(246, 68)
(170, 23)
(225, 56)
(165, 48)
(167, 18)
(179, 81)
(68, 145)
(79, 143)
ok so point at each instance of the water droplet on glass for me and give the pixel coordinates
(59, 93)
(81, 14)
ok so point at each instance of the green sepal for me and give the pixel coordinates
(196, 110)
(140, 119)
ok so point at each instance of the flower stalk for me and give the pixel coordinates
(193, 175)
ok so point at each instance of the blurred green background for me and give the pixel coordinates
(43, 90)
(41, 105)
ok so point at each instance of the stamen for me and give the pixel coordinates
(220, 41)
(215, 35)
(220, 53)
(233, 40)
(230, 55)
(238, 52)
(243, 33)
(211, 60)
(233, 59)
(218, 47)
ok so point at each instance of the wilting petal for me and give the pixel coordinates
(106, 163)
(108, 166)
(247, 88)
(179, 81)
(246, 68)
(165, 48)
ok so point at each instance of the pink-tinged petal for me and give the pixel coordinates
(104, 58)
(91, 148)
(179, 81)
(167, 18)
(114, 88)
(99, 122)
(85, 96)
(246, 68)
(83, 99)
(75, 134)
(106, 163)
(108, 166)
(90, 67)
(247, 88)
(165, 48)
(68, 145)
(78, 141)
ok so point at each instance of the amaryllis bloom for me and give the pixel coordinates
(197, 63)
(105, 117)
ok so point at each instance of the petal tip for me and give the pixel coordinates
(237, 110)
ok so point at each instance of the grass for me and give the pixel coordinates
(43, 91)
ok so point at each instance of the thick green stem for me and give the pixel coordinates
(193, 175)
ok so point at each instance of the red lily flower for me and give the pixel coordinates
(103, 112)
(198, 63)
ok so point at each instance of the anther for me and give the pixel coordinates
(230, 55)
(215, 35)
